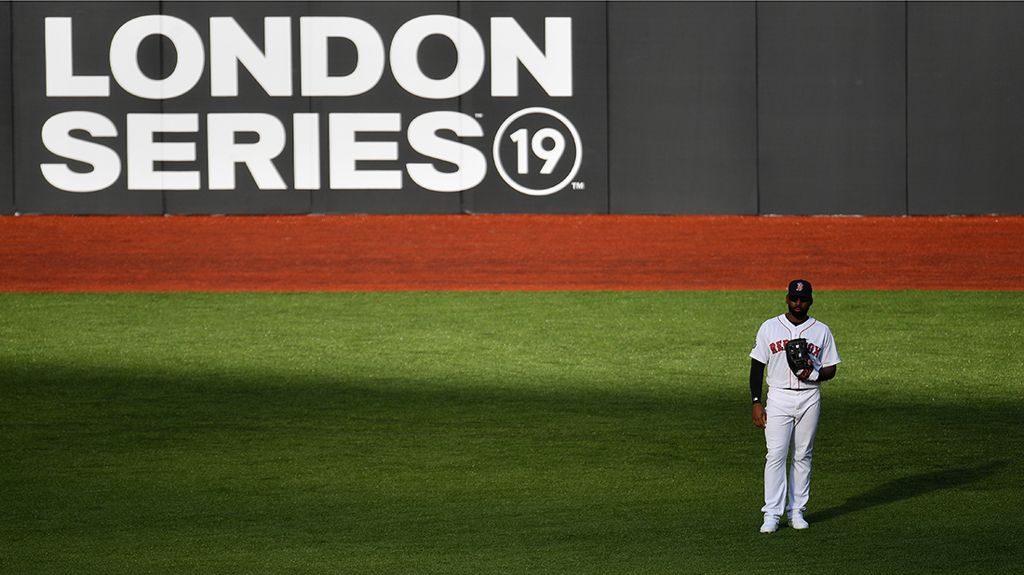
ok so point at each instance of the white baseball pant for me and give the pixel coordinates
(792, 424)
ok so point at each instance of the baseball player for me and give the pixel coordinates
(789, 414)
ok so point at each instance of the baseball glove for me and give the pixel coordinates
(799, 358)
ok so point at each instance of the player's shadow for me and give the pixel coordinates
(911, 486)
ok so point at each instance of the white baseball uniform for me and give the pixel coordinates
(792, 409)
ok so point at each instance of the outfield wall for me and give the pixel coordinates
(180, 107)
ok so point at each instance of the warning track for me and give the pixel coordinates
(506, 252)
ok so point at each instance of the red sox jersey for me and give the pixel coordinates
(770, 349)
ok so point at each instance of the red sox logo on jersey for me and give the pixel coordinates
(780, 346)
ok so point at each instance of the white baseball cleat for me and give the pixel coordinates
(797, 521)
(771, 524)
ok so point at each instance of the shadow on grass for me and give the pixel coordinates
(911, 486)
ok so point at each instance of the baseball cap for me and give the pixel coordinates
(800, 288)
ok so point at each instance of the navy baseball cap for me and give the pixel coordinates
(800, 288)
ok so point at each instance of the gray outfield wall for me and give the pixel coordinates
(180, 107)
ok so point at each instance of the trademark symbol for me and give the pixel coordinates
(478, 115)
(579, 186)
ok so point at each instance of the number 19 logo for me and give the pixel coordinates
(543, 134)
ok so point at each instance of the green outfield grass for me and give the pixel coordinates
(496, 433)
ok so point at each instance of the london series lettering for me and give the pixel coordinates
(456, 140)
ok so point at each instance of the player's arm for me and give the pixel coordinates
(756, 385)
(815, 372)
(828, 355)
(826, 373)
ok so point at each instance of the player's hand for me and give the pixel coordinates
(759, 416)
(804, 373)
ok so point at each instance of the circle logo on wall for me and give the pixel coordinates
(537, 151)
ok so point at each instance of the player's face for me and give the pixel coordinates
(798, 306)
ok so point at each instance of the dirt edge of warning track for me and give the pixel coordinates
(506, 252)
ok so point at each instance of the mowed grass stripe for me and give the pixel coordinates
(495, 433)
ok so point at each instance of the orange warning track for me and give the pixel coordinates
(459, 252)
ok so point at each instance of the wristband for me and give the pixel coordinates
(756, 400)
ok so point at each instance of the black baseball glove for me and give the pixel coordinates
(799, 358)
